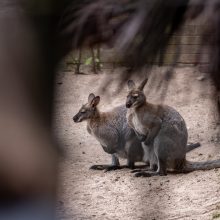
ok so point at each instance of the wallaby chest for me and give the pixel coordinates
(143, 121)
(95, 130)
(102, 132)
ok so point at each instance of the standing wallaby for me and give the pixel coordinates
(163, 133)
(113, 133)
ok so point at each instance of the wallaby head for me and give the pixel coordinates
(135, 95)
(87, 110)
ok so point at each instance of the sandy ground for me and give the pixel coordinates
(89, 194)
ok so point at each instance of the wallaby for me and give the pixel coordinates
(163, 133)
(113, 133)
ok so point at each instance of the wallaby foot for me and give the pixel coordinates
(106, 168)
(139, 170)
(149, 174)
(161, 170)
(112, 167)
(146, 169)
(142, 170)
(142, 174)
(98, 167)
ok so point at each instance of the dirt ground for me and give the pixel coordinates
(89, 194)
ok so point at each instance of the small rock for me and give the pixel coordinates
(200, 154)
(201, 78)
(117, 178)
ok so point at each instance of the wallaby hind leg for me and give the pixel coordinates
(130, 164)
(114, 166)
(159, 155)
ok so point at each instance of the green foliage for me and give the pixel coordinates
(216, 215)
(88, 61)
(74, 60)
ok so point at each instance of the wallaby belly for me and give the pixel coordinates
(171, 141)
(149, 155)
(139, 126)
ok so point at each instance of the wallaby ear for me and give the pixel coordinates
(91, 97)
(141, 86)
(95, 101)
(131, 84)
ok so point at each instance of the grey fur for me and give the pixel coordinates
(112, 132)
(164, 135)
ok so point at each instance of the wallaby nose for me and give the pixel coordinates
(128, 104)
(75, 118)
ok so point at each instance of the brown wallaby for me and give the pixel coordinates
(113, 133)
(163, 133)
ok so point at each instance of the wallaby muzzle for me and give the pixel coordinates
(76, 118)
(129, 101)
(128, 104)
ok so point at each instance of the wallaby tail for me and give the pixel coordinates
(192, 146)
(207, 165)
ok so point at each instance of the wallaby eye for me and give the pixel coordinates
(83, 111)
(135, 95)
